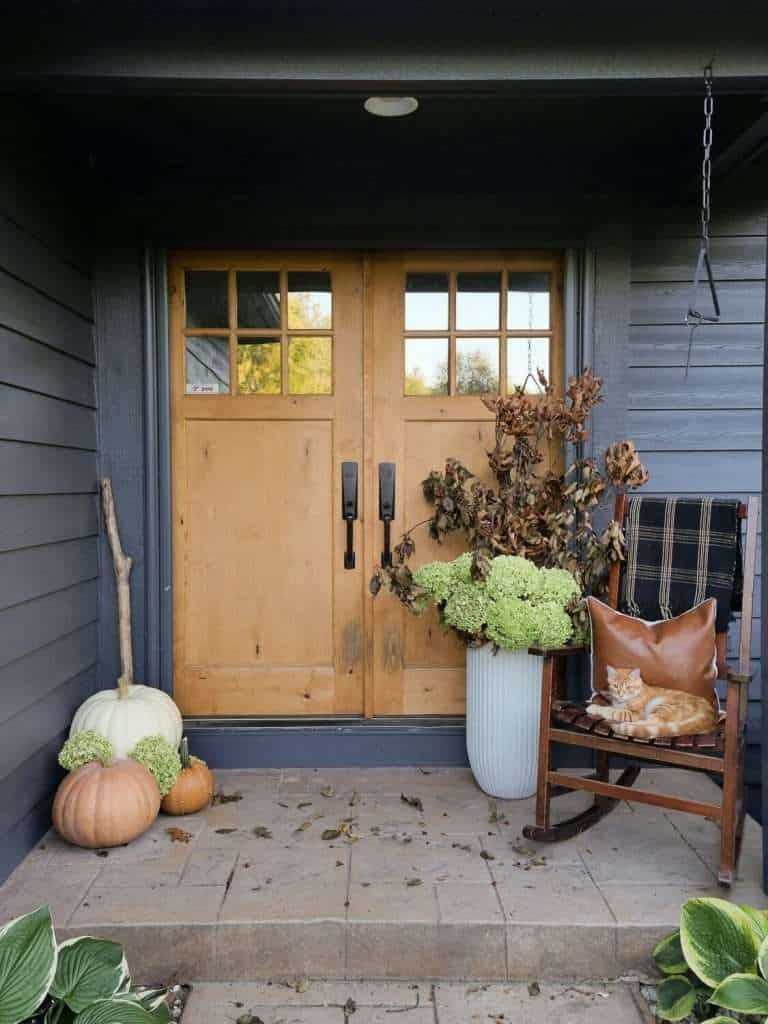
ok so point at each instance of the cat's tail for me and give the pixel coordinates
(651, 730)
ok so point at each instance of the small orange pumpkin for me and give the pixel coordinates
(106, 805)
(193, 789)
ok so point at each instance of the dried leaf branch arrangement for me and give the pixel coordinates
(546, 518)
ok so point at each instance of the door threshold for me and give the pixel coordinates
(390, 723)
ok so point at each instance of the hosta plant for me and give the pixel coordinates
(717, 961)
(545, 517)
(515, 604)
(80, 981)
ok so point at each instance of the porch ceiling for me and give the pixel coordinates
(565, 156)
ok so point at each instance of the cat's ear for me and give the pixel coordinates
(610, 673)
(634, 673)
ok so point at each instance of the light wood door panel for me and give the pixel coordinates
(416, 668)
(267, 621)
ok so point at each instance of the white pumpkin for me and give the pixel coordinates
(143, 711)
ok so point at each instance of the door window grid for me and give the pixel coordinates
(303, 362)
(502, 375)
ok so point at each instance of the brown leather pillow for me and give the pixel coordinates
(679, 653)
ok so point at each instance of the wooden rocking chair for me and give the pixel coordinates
(720, 753)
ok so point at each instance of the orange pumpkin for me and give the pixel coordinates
(193, 789)
(106, 805)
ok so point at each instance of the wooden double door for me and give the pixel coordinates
(285, 366)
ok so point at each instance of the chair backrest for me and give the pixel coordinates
(748, 512)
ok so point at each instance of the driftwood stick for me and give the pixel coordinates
(122, 565)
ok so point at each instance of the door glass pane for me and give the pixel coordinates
(206, 297)
(426, 366)
(524, 354)
(310, 366)
(258, 298)
(477, 301)
(426, 302)
(259, 366)
(207, 366)
(309, 299)
(528, 301)
(477, 366)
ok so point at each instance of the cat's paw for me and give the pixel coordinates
(595, 710)
(622, 728)
(622, 716)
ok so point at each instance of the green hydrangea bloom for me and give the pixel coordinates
(461, 569)
(554, 624)
(557, 586)
(467, 607)
(512, 576)
(512, 623)
(160, 758)
(436, 578)
(84, 747)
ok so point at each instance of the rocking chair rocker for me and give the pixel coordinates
(719, 753)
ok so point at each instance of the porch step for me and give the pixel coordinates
(417, 1003)
(419, 876)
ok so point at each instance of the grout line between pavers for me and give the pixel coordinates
(84, 896)
(346, 910)
(433, 996)
(690, 845)
(495, 887)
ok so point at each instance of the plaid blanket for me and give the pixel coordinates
(681, 551)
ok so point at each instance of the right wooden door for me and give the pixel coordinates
(444, 330)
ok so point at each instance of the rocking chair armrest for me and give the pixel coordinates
(742, 678)
(557, 652)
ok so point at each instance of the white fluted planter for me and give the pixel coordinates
(503, 704)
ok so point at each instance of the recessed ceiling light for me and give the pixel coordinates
(391, 106)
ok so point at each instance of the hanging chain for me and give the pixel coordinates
(706, 163)
(694, 318)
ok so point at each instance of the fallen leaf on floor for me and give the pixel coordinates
(339, 863)
(486, 855)
(354, 800)
(493, 812)
(375, 830)
(403, 837)
(303, 804)
(328, 791)
(281, 804)
(303, 827)
(347, 829)
(534, 989)
(102, 853)
(413, 801)
(178, 835)
(350, 1007)
(424, 771)
(248, 1018)
(473, 989)
(413, 882)
(331, 833)
(302, 985)
(226, 798)
(524, 851)
(262, 832)
(225, 831)
(462, 846)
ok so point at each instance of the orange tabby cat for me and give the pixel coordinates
(646, 712)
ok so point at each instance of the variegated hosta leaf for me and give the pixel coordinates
(27, 964)
(119, 1010)
(745, 993)
(720, 1020)
(762, 958)
(759, 920)
(668, 955)
(718, 939)
(676, 997)
(88, 970)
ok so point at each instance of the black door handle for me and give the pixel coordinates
(386, 506)
(349, 508)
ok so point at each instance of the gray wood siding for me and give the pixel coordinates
(701, 434)
(48, 510)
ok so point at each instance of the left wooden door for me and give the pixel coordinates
(267, 403)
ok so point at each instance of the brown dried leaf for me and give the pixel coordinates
(328, 791)
(487, 855)
(303, 804)
(225, 831)
(331, 833)
(178, 835)
(413, 801)
(413, 882)
(262, 832)
(226, 798)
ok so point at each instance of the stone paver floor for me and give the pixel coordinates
(416, 1003)
(439, 885)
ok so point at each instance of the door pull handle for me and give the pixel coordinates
(349, 509)
(387, 507)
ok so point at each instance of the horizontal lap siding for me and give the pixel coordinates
(701, 434)
(48, 516)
